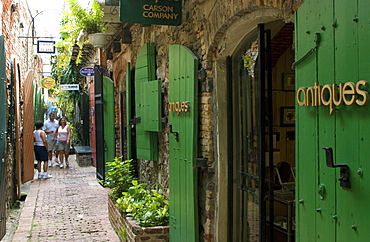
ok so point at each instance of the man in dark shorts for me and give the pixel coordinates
(41, 150)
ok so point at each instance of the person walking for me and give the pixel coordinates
(63, 141)
(41, 150)
(50, 127)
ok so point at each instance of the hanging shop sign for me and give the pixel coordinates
(161, 12)
(333, 95)
(46, 47)
(69, 87)
(87, 71)
(47, 83)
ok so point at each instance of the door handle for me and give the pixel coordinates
(344, 168)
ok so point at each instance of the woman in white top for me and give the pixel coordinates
(41, 150)
(63, 142)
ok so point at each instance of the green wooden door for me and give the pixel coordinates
(183, 111)
(39, 104)
(109, 119)
(147, 104)
(2, 137)
(332, 111)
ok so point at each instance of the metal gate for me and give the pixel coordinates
(183, 126)
(250, 191)
(332, 72)
(2, 138)
(104, 121)
(92, 124)
(99, 122)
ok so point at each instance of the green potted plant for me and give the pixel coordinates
(88, 21)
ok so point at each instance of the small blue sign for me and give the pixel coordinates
(87, 71)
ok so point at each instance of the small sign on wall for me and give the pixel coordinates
(69, 87)
(46, 47)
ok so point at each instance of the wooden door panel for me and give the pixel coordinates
(363, 197)
(183, 111)
(109, 119)
(306, 124)
(28, 128)
(340, 57)
(325, 195)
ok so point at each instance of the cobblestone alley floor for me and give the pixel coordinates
(71, 206)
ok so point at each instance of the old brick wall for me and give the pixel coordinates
(15, 22)
(205, 23)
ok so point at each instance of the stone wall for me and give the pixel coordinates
(205, 23)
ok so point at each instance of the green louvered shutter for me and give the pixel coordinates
(147, 104)
(183, 83)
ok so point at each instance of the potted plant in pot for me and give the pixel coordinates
(135, 211)
(87, 21)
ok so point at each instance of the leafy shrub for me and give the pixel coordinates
(119, 176)
(147, 207)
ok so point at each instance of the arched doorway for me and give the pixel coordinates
(260, 93)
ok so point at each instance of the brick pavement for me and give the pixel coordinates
(71, 206)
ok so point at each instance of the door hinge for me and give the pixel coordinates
(135, 121)
(173, 132)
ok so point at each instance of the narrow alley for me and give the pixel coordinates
(71, 206)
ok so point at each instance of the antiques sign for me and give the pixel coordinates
(333, 95)
(161, 12)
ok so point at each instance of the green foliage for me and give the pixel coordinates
(119, 176)
(79, 19)
(75, 135)
(147, 207)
